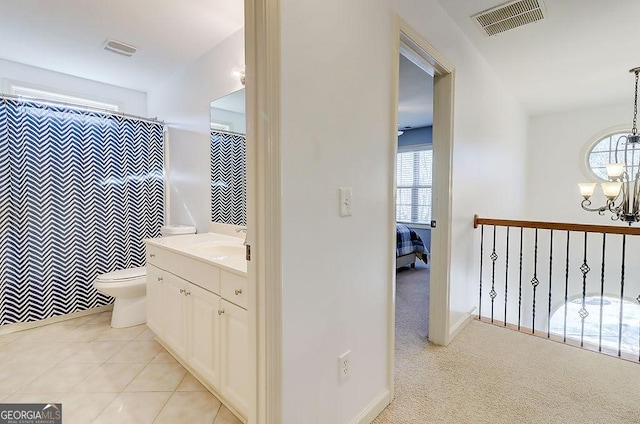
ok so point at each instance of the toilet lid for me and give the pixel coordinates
(123, 274)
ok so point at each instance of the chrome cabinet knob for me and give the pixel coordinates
(182, 291)
(187, 293)
(238, 291)
(152, 255)
(220, 311)
(159, 278)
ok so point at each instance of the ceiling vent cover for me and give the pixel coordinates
(119, 47)
(510, 15)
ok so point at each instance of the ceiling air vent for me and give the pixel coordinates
(510, 15)
(120, 48)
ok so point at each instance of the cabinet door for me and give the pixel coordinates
(174, 303)
(154, 300)
(204, 335)
(234, 360)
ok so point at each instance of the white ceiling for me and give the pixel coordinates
(415, 96)
(67, 36)
(578, 56)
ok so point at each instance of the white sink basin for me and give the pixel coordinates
(225, 250)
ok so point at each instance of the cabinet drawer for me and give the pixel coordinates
(196, 272)
(234, 288)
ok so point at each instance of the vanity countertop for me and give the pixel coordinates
(223, 251)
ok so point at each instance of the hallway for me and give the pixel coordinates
(495, 375)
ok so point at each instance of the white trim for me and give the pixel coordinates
(21, 326)
(417, 59)
(439, 314)
(391, 253)
(262, 58)
(368, 414)
(462, 323)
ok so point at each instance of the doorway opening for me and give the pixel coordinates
(424, 316)
(414, 194)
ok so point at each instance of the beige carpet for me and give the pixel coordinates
(494, 375)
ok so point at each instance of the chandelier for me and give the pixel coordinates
(622, 190)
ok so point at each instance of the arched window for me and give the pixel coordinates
(603, 151)
(611, 310)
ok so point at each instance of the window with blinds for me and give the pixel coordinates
(413, 178)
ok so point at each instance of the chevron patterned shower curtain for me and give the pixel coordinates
(79, 190)
(228, 178)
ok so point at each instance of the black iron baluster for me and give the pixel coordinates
(624, 248)
(535, 282)
(584, 268)
(550, 275)
(506, 277)
(604, 243)
(566, 291)
(520, 282)
(481, 254)
(494, 257)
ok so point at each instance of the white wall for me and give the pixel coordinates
(336, 108)
(489, 155)
(130, 101)
(556, 158)
(183, 103)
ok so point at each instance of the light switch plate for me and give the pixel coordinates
(345, 201)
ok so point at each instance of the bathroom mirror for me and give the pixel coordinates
(229, 160)
(227, 113)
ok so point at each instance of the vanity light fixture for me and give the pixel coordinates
(240, 74)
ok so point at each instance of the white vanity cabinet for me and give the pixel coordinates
(203, 328)
(198, 311)
(154, 295)
(234, 341)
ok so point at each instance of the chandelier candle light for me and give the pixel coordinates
(623, 197)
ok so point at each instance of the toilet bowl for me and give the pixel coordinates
(129, 287)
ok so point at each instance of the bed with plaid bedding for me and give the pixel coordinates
(408, 242)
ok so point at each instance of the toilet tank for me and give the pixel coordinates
(174, 230)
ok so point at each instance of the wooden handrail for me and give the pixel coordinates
(585, 228)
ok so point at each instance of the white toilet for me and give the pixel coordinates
(129, 287)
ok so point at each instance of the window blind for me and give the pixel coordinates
(414, 174)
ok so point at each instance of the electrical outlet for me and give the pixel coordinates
(344, 366)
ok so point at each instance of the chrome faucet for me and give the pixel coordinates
(243, 230)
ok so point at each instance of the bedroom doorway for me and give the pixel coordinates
(419, 297)
(414, 176)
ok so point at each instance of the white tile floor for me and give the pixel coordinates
(103, 375)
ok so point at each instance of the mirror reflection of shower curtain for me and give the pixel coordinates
(228, 178)
(80, 190)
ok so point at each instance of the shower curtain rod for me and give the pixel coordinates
(4, 96)
(228, 132)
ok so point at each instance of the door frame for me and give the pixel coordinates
(264, 270)
(440, 274)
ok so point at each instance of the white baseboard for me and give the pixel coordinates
(20, 326)
(461, 324)
(372, 410)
